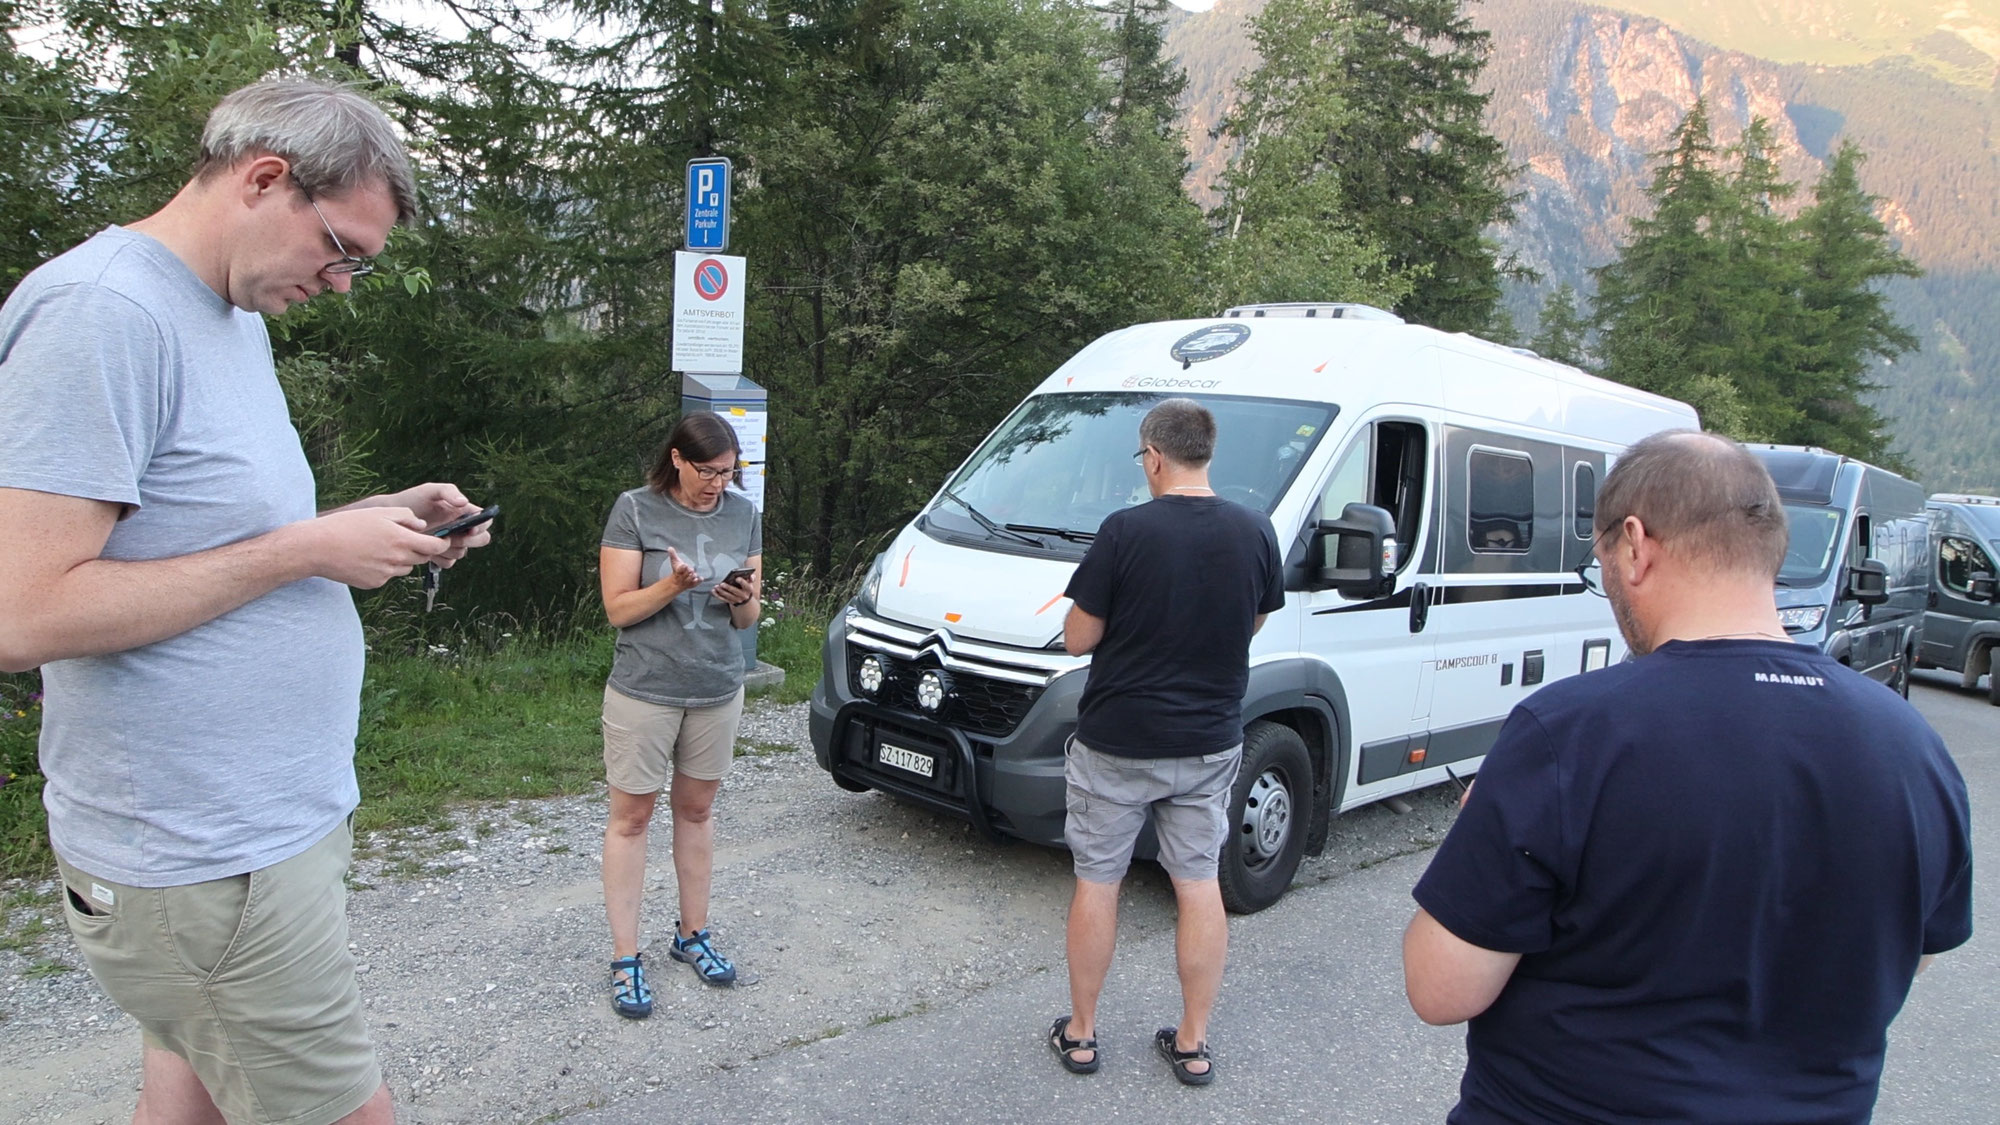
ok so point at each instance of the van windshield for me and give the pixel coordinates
(1815, 543)
(1062, 462)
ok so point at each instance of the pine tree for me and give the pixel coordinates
(1418, 174)
(1559, 332)
(1766, 325)
(1284, 231)
(1663, 311)
(1846, 253)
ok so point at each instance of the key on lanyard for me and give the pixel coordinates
(431, 571)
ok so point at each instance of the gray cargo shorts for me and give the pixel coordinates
(1108, 797)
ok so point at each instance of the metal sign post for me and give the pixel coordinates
(708, 340)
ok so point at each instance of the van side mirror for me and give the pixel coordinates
(1868, 582)
(1356, 554)
(1981, 587)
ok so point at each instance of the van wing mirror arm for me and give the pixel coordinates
(1356, 554)
(1981, 586)
(1868, 582)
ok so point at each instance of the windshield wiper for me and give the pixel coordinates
(981, 519)
(1070, 534)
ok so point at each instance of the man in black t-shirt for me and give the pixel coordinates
(1166, 601)
(1696, 886)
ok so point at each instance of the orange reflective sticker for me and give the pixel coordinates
(953, 617)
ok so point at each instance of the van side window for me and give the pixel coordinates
(1349, 484)
(1500, 502)
(1385, 467)
(1960, 559)
(1586, 501)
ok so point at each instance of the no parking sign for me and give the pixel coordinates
(708, 313)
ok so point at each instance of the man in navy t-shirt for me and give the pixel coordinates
(1166, 601)
(1696, 886)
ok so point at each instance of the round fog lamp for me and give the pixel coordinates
(870, 674)
(931, 690)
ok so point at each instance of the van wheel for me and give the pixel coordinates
(1269, 807)
(1902, 681)
(1993, 688)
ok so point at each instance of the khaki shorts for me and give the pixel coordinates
(1108, 798)
(247, 978)
(645, 744)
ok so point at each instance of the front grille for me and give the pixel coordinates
(977, 704)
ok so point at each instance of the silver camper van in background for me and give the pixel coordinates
(1858, 571)
(1963, 622)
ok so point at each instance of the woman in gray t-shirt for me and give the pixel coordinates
(675, 695)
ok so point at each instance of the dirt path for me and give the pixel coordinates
(482, 948)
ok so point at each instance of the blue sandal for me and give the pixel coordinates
(698, 950)
(629, 995)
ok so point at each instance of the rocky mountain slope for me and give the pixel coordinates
(1584, 97)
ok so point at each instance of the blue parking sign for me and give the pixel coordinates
(708, 204)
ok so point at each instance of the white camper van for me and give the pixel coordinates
(1433, 494)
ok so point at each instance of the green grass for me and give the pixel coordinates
(493, 717)
(24, 839)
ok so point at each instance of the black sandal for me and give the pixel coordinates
(1164, 1042)
(1065, 1049)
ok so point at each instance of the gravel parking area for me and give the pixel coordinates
(482, 948)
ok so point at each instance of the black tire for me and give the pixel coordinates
(1993, 688)
(1270, 809)
(1901, 682)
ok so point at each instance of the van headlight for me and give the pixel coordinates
(1802, 619)
(871, 585)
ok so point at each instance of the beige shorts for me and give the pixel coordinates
(247, 978)
(645, 744)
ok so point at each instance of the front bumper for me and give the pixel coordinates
(1006, 783)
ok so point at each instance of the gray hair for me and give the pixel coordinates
(1702, 495)
(1182, 430)
(336, 137)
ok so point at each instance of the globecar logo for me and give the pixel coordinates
(1208, 343)
(1156, 382)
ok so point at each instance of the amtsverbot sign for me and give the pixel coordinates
(708, 313)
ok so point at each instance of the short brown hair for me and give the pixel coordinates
(1182, 430)
(1705, 497)
(700, 435)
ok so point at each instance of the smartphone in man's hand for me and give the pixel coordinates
(464, 523)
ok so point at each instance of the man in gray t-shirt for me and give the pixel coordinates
(161, 561)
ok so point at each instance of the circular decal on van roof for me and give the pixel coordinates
(1208, 343)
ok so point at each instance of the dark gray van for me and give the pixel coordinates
(1963, 624)
(1857, 574)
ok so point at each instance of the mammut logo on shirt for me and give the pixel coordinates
(1781, 678)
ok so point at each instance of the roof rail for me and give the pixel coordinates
(1963, 498)
(1323, 310)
